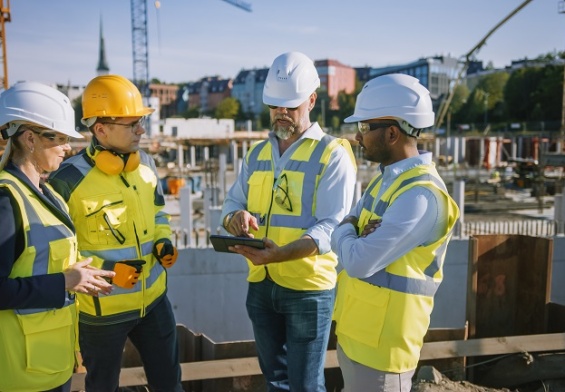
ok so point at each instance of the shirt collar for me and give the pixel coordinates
(397, 168)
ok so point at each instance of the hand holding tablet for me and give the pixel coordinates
(222, 242)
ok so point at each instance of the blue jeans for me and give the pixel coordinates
(291, 331)
(155, 338)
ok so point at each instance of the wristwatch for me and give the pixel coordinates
(227, 219)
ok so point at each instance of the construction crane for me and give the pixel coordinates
(561, 10)
(4, 17)
(468, 57)
(139, 40)
(241, 4)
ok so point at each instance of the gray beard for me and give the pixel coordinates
(284, 133)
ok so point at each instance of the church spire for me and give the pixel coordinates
(102, 68)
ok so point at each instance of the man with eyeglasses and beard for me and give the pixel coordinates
(116, 202)
(393, 242)
(293, 189)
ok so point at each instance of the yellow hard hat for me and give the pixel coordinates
(112, 96)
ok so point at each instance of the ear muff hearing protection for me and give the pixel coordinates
(112, 163)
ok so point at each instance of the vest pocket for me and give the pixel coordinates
(105, 217)
(260, 193)
(361, 310)
(49, 341)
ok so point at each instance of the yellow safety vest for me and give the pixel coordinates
(38, 346)
(381, 320)
(285, 210)
(117, 217)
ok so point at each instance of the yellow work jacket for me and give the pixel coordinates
(117, 217)
(381, 320)
(285, 210)
(38, 346)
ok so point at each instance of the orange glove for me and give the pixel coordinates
(127, 273)
(165, 252)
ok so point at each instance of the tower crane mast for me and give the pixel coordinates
(140, 46)
(4, 17)
(139, 40)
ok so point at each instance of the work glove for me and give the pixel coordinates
(127, 273)
(165, 252)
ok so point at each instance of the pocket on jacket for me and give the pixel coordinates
(106, 217)
(362, 310)
(49, 341)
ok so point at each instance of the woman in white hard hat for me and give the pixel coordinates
(39, 272)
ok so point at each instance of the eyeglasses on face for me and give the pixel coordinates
(52, 136)
(132, 126)
(365, 127)
(281, 193)
(276, 107)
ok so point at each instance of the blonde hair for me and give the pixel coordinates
(7, 154)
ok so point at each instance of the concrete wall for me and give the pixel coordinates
(208, 290)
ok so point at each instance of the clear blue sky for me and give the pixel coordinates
(57, 41)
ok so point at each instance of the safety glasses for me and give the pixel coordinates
(365, 127)
(52, 136)
(132, 126)
(281, 193)
(276, 107)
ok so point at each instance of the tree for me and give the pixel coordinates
(227, 108)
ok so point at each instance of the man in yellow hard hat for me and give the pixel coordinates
(116, 202)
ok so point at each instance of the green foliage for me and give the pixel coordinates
(227, 108)
(191, 113)
(535, 93)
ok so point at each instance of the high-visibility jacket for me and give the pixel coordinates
(285, 210)
(381, 320)
(117, 217)
(38, 346)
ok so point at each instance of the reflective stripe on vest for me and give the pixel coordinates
(310, 168)
(427, 286)
(39, 236)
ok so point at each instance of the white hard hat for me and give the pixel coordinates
(398, 96)
(37, 104)
(290, 81)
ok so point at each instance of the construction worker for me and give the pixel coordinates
(292, 190)
(393, 242)
(116, 202)
(39, 272)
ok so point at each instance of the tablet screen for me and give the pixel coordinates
(221, 242)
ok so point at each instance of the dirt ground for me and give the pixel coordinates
(430, 380)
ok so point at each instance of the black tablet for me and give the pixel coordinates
(221, 242)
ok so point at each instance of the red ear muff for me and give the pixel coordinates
(113, 164)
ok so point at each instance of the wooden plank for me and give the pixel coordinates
(204, 370)
(493, 346)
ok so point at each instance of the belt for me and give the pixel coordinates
(268, 276)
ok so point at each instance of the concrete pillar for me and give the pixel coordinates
(244, 148)
(192, 156)
(459, 197)
(206, 153)
(210, 200)
(222, 169)
(463, 148)
(513, 148)
(186, 213)
(180, 156)
(456, 150)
